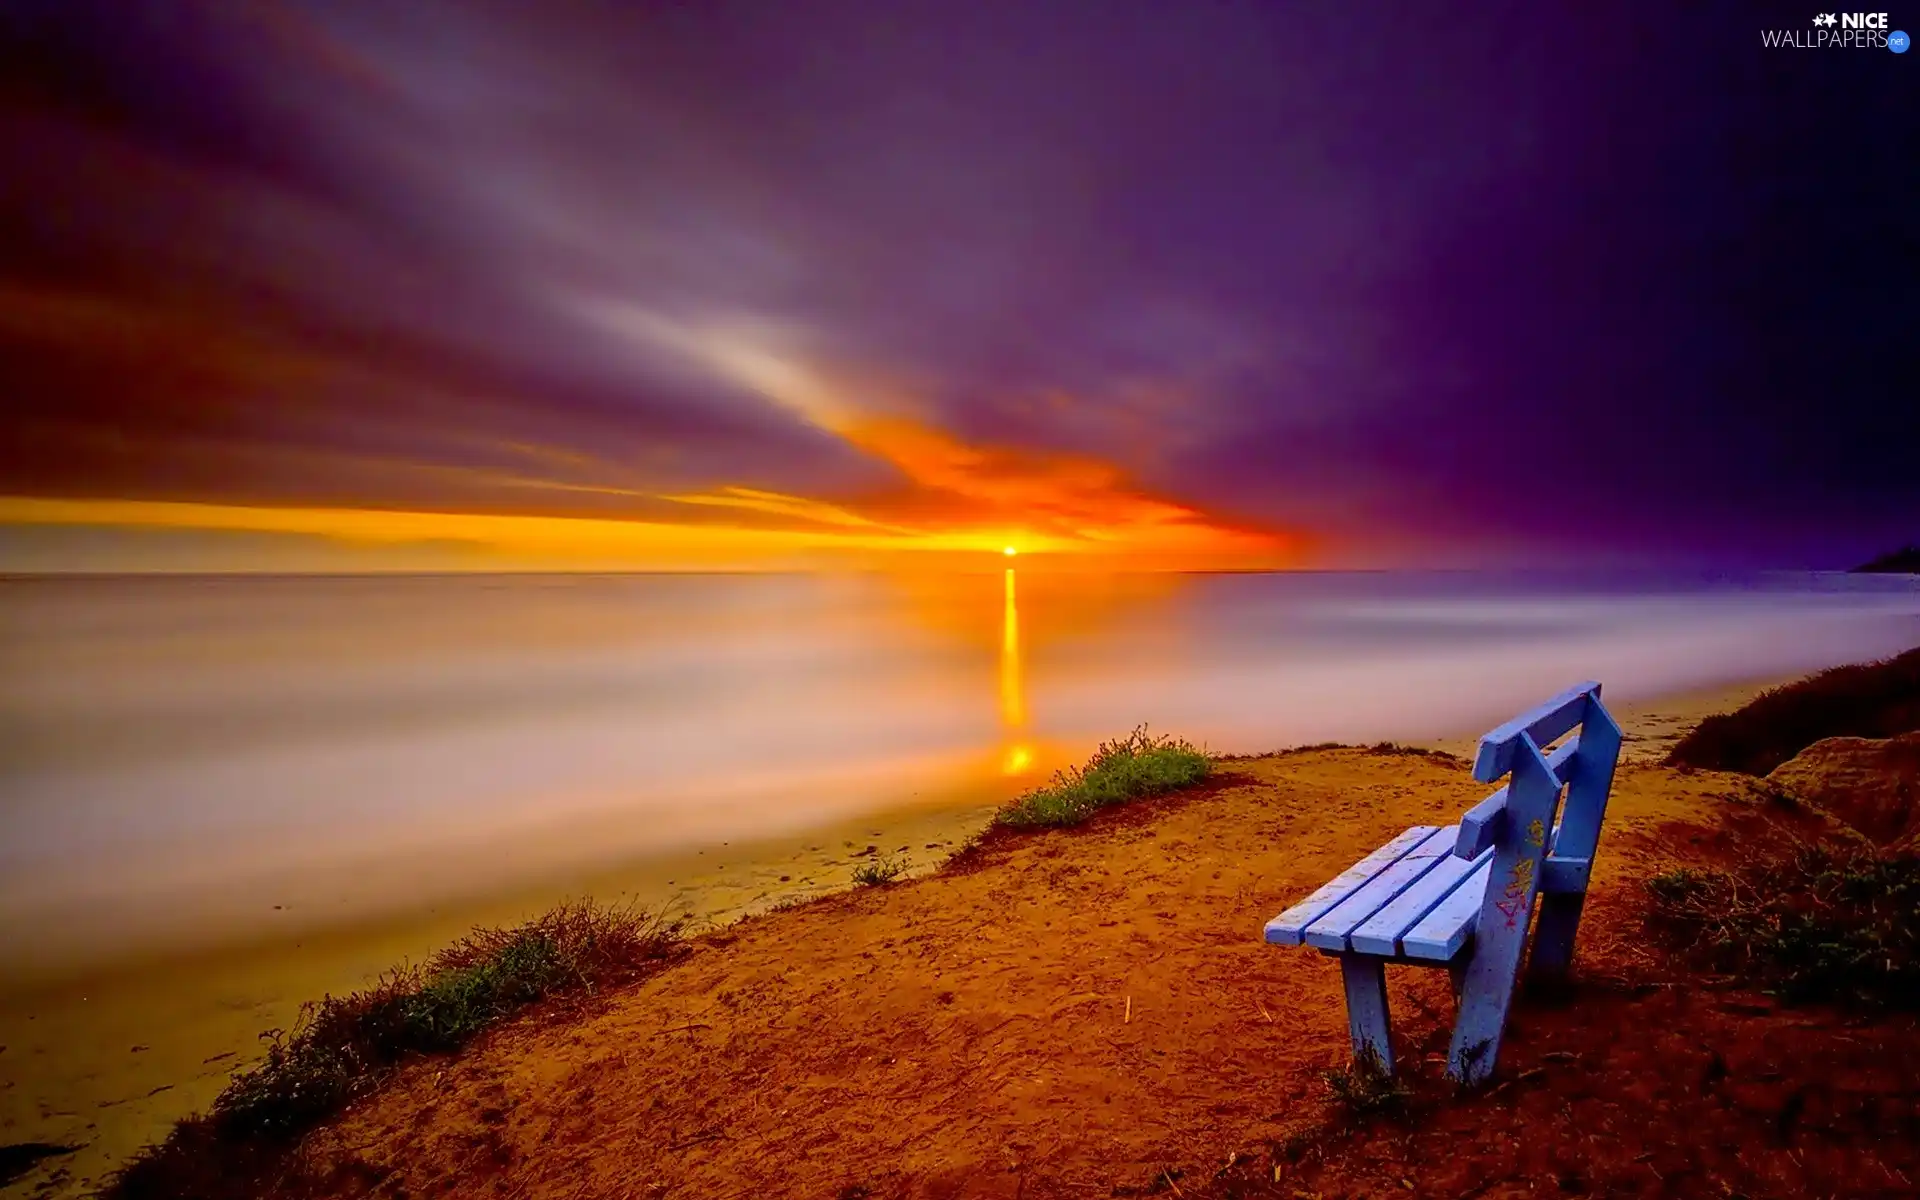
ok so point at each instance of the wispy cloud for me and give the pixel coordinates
(1049, 500)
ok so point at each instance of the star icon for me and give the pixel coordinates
(1824, 19)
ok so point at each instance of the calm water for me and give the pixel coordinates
(181, 754)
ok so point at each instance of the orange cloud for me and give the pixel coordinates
(1052, 502)
(1074, 503)
(955, 501)
(780, 504)
(993, 496)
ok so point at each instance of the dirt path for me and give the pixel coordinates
(1076, 1013)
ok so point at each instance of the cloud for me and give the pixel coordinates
(817, 512)
(1046, 500)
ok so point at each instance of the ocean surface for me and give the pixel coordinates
(186, 757)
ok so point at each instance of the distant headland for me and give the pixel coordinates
(1904, 561)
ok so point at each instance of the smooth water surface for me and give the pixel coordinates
(185, 758)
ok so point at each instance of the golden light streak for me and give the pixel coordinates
(953, 498)
(781, 504)
(1013, 706)
(584, 539)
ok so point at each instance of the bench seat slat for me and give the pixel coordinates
(1329, 930)
(1289, 928)
(1381, 933)
(1442, 932)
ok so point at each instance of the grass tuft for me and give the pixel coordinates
(1390, 749)
(1869, 700)
(1316, 747)
(1823, 924)
(879, 872)
(1365, 1089)
(1126, 769)
(343, 1047)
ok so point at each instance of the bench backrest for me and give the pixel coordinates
(1534, 857)
(1584, 763)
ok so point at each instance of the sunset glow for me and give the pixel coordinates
(749, 476)
(888, 333)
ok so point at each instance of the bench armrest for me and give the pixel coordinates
(1480, 827)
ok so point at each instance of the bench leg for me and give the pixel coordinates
(1500, 936)
(1553, 932)
(1457, 974)
(1366, 982)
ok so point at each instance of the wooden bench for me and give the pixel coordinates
(1462, 896)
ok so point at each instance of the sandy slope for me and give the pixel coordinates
(1079, 1011)
(108, 1063)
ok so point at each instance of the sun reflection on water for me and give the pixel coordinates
(1013, 707)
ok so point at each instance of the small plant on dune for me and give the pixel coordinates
(1132, 767)
(1366, 1088)
(1396, 748)
(970, 855)
(1821, 924)
(1315, 748)
(879, 872)
(344, 1046)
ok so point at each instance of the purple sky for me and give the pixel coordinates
(1461, 284)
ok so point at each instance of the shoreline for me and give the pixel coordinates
(112, 1059)
(1651, 725)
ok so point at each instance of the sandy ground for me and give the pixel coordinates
(1084, 1011)
(107, 1063)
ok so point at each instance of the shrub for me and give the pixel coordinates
(1870, 700)
(343, 1046)
(1821, 924)
(1366, 1089)
(1396, 749)
(1127, 769)
(879, 872)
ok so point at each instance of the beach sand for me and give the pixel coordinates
(1085, 1012)
(109, 1061)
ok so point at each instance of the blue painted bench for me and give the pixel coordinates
(1463, 896)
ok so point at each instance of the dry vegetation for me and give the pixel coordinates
(1870, 700)
(344, 1047)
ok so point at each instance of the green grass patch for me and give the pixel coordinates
(1869, 700)
(1821, 924)
(1127, 769)
(343, 1047)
